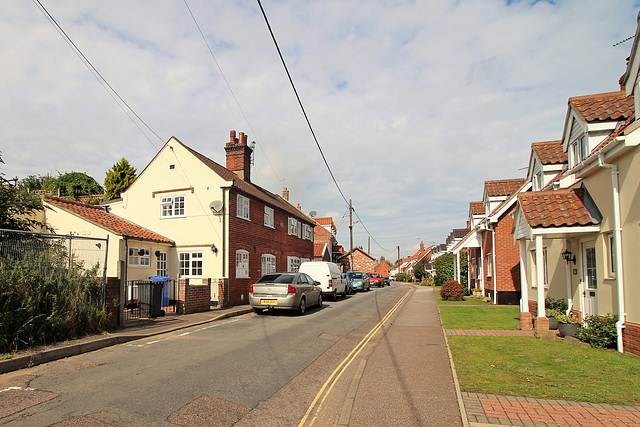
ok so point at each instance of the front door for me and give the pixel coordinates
(590, 278)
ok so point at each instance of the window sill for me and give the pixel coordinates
(241, 217)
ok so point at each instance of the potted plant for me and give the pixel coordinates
(567, 325)
(552, 314)
(477, 292)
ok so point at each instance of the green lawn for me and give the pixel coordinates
(467, 301)
(529, 367)
(483, 317)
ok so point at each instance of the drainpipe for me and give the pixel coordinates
(493, 265)
(524, 285)
(618, 246)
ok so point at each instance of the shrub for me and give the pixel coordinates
(452, 291)
(556, 304)
(599, 331)
(403, 277)
(47, 299)
(428, 281)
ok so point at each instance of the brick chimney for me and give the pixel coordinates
(239, 155)
(285, 194)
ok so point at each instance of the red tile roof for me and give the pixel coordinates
(476, 208)
(318, 249)
(326, 220)
(559, 208)
(549, 152)
(603, 106)
(98, 216)
(250, 188)
(505, 187)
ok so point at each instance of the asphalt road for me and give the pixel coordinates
(258, 370)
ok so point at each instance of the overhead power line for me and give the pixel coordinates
(231, 91)
(105, 84)
(304, 112)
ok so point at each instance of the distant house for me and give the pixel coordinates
(321, 252)
(362, 261)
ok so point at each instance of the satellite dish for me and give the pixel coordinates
(216, 206)
(313, 214)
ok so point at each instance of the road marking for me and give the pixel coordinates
(215, 325)
(146, 343)
(337, 373)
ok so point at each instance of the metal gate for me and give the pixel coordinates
(150, 298)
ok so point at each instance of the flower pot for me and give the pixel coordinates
(567, 329)
(553, 323)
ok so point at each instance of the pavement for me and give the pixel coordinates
(419, 393)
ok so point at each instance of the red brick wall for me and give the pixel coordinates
(194, 298)
(631, 338)
(507, 255)
(257, 239)
(361, 262)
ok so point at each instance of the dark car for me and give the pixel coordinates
(375, 279)
(386, 281)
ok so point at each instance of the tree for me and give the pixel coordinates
(76, 184)
(419, 271)
(119, 178)
(45, 184)
(444, 268)
(17, 205)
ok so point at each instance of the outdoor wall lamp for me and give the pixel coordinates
(214, 249)
(568, 256)
(157, 253)
(141, 252)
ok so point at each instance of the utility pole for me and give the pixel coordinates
(398, 252)
(369, 245)
(351, 232)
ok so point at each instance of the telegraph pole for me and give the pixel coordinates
(351, 232)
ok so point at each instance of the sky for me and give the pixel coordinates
(415, 104)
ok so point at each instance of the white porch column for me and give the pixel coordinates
(569, 294)
(457, 269)
(524, 286)
(540, 274)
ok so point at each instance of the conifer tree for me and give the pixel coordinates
(119, 178)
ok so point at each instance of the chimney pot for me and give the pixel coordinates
(285, 194)
(232, 136)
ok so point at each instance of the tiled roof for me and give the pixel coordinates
(98, 216)
(476, 208)
(603, 106)
(505, 187)
(550, 152)
(250, 188)
(559, 208)
(318, 249)
(325, 220)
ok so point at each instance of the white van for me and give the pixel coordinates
(329, 276)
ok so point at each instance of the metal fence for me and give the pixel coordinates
(150, 298)
(44, 252)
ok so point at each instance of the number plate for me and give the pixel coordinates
(269, 301)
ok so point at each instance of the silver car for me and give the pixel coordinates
(359, 281)
(286, 291)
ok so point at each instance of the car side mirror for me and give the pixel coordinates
(316, 283)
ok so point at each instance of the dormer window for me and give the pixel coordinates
(579, 150)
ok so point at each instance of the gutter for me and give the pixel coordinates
(620, 324)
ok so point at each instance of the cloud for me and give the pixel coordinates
(415, 104)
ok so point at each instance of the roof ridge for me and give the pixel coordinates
(600, 95)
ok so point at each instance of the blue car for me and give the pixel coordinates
(358, 281)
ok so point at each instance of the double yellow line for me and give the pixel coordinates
(326, 388)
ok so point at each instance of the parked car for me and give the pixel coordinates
(358, 280)
(386, 281)
(375, 279)
(285, 291)
(329, 276)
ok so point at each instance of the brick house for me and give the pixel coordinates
(362, 261)
(227, 230)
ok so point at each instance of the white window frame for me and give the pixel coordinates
(268, 263)
(134, 259)
(293, 264)
(243, 207)
(162, 264)
(545, 270)
(294, 227)
(269, 217)
(242, 264)
(489, 265)
(307, 233)
(172, 207)
(611, 255)
(191, 264)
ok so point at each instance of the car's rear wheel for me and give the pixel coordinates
(303, 306)
(320, 300)
(334, 295)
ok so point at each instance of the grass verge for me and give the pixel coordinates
(485, 317)
(529, 367)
